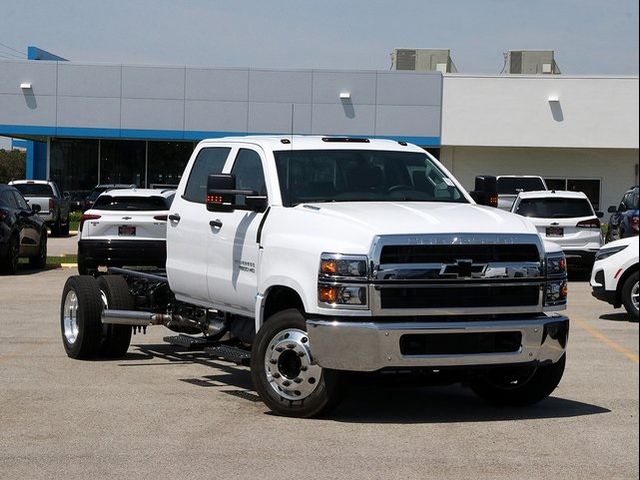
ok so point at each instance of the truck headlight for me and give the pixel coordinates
(343, 281)
(335, 265)
(556, 264)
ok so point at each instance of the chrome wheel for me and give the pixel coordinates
(70, 314)
(289, 365)
(634, 296)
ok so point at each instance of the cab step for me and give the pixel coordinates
(231, 354)
(188, 342)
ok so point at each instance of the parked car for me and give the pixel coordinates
(509, 186)
(54, 208)
(98, 189)
(614, 278)
(77, 200)
(625, 218)
(124, 227)
(565, 218)
(23, 233)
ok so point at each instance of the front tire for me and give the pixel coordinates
(630, 295)
(520, 387)
(40, 260)
(284, 373)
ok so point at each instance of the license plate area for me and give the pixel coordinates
(127, 231)
(555, 232)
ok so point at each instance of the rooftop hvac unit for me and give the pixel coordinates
(422, 60)
(531, 62)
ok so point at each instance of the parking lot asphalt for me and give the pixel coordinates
(163, 413)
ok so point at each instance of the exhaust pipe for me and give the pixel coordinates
(132, 317)
(144, 319)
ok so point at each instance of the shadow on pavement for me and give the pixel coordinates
(618, 317)
(446, 405)
(371, 400)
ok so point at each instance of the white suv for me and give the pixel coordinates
(125, 227)
(614, 278)
(565, 218)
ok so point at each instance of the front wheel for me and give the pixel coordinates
(520, 386)
(284, 373)
(630, 295)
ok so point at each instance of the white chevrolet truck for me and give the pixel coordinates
(311, 257)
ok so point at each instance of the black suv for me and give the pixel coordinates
(624, 219)
(22, 232)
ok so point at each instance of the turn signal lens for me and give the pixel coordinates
(328, 294)
(328, 267)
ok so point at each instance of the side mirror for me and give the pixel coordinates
(222, 195)
(486, 190)
(599, 214)
(612, 209)
(36, 208)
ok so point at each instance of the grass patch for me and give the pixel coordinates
(62, 259)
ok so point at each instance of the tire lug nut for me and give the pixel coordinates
(273, 362)
(291, 345)
(286, 383)
(297, 392)
(279, 349)
(298, 380)
(275, 375)
(301, 354)
(303, 368)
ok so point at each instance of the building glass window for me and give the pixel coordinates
(590, 187)
(74, 163)
(123, 162)
(166, 162)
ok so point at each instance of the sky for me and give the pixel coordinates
(588, 36)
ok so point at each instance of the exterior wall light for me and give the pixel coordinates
(345, 95)
(553, 98)
(25, 86)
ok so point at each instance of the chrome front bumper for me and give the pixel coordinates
(369, 346)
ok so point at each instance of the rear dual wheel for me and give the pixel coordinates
(83, 334)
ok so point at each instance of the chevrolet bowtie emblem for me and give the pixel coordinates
(463, 269)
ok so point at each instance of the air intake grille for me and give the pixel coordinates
(452, 253)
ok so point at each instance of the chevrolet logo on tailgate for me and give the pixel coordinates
(463, 269)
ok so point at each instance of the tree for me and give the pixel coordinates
(12, 165)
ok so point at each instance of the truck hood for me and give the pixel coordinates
(388, 218)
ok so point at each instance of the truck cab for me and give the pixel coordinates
(326, 255)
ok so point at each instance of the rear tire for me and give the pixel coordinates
(80, 321)
(40, 260)
(498, 388)
(116, 338)
(9, 264)
(313, 389)
(630, 295)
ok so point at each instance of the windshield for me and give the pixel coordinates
(555, 208)
(311, 176)
(515, 185)
(34, 189)
(107, 202)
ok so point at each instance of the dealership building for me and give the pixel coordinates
(89, 123)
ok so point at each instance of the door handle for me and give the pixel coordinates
(215, 223)
(174, 217)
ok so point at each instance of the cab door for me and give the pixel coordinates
(188, 231)
(233, 250)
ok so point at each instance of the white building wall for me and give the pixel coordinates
(616, 168)
(513, 110)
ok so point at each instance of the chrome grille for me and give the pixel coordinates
(457, 274)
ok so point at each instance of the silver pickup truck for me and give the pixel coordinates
(54, 208)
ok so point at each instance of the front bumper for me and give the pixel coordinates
(370, 346)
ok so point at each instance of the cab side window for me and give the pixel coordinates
(249, 174)
(209, 160)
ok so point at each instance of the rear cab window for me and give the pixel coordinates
(555, 208)
(514, 185)
(35, 190)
